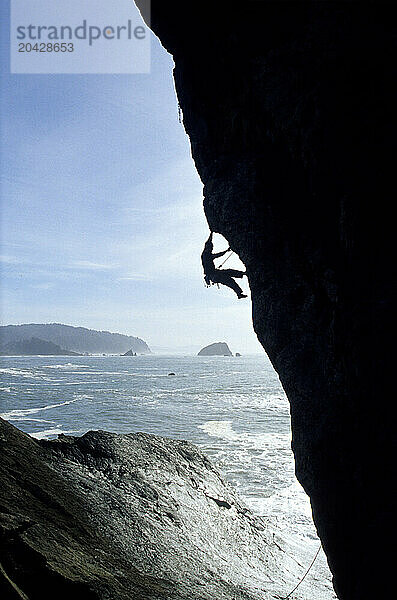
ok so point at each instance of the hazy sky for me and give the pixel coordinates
(101, 221)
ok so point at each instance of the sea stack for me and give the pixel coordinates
(129, 353)
(216, 349)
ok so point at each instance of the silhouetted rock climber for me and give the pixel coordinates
(224, 276)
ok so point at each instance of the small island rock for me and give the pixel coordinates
(216, 349)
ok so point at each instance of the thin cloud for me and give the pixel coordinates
(42, 286)
(91, 266)
(134, 277)
(10, 260)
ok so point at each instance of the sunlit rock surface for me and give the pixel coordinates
(123, 517)
(290, 109)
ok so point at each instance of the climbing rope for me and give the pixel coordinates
(226, 259)
(298, 584)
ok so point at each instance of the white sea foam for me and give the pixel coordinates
(66, 366)
(15, 414)
(27, 374)
(17, 372)
(224, 430)
(175, 390)
(47, 433)
(65, 383)
(30, 419)
(5, 389)
(98, 373)
(220, 429)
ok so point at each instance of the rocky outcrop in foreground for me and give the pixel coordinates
(130, 517)
(216, 349)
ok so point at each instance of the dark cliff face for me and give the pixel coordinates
(289, 107)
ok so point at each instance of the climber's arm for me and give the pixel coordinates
(219, 254)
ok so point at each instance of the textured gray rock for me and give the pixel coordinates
(124, 517)
(216, 349)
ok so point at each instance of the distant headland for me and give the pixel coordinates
(65, 339)
(35, 347)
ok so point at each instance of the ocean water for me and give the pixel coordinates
(234, 408)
